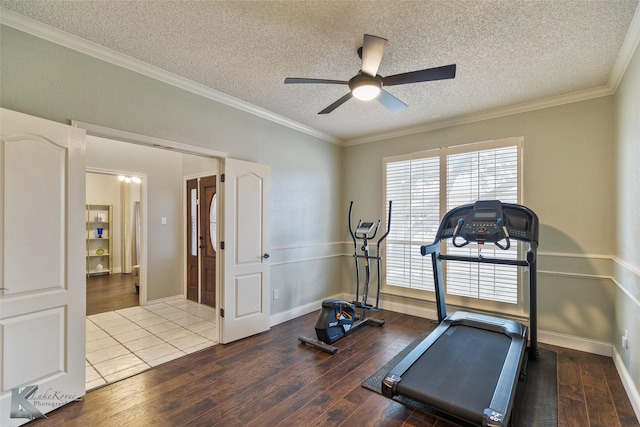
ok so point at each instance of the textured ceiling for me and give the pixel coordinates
(508, 52)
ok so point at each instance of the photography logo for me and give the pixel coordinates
(21, 407)
(25, 402)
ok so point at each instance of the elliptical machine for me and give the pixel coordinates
(338, 318)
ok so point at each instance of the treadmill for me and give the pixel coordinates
(469, 366)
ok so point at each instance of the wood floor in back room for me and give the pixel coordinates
(110, 292)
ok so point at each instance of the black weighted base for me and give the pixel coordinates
(318, 344)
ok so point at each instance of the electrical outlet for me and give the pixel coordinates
(276, 294)
(625, 340)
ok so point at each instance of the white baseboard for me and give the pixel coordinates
(575, 343)
(627, 382)
(413, 310)
(547, 337)
(285, 316)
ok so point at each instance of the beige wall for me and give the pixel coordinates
(162, 172)
(627, 250)
(568, 182)
(49, 81)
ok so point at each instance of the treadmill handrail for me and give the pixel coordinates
(519, 263)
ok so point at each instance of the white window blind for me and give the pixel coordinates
(418, 183)
(490, 174)
(414, 187)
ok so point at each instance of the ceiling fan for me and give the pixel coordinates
(368, 84)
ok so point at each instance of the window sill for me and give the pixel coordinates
(455, 303)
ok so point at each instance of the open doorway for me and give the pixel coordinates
(165, 325)
(113, 240)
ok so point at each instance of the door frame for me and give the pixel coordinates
(142, 297)
(162, 144)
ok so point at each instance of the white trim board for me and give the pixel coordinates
(633, 270)
(575, 343)
(285, 316)
(627, 382)
(147, 141)
(547, 337)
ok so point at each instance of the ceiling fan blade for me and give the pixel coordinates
(336, 104)
(289, 80)
(372, 51)
(430, 74)
(391, 102)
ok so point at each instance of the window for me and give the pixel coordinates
(423, 187)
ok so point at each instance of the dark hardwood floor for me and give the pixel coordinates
(109, 292)
(270, 379)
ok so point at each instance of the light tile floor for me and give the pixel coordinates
(125, 342)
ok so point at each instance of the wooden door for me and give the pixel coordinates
(208, 238)
(245, 303)
(193, 242)
(42, 249)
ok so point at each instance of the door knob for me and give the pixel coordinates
(265, 256)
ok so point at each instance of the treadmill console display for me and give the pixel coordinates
(483, 225)
(489, 221)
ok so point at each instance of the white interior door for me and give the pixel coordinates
(246, 273)
(42, 251)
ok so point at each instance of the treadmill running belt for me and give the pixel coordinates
(459, 372)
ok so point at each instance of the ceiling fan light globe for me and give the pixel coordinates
(366, 92)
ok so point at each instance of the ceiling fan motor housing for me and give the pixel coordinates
(364, 86)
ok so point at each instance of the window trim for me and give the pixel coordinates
(517, 310)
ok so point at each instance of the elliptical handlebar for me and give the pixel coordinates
(384, 236)
(353, 235)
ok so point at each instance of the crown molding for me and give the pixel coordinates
(62, 38)
(627, 50)
(629, 46)
(495, 113)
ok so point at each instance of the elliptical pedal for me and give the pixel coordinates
(366, 306)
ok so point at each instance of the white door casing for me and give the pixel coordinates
(42, 232)
(246, 234)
